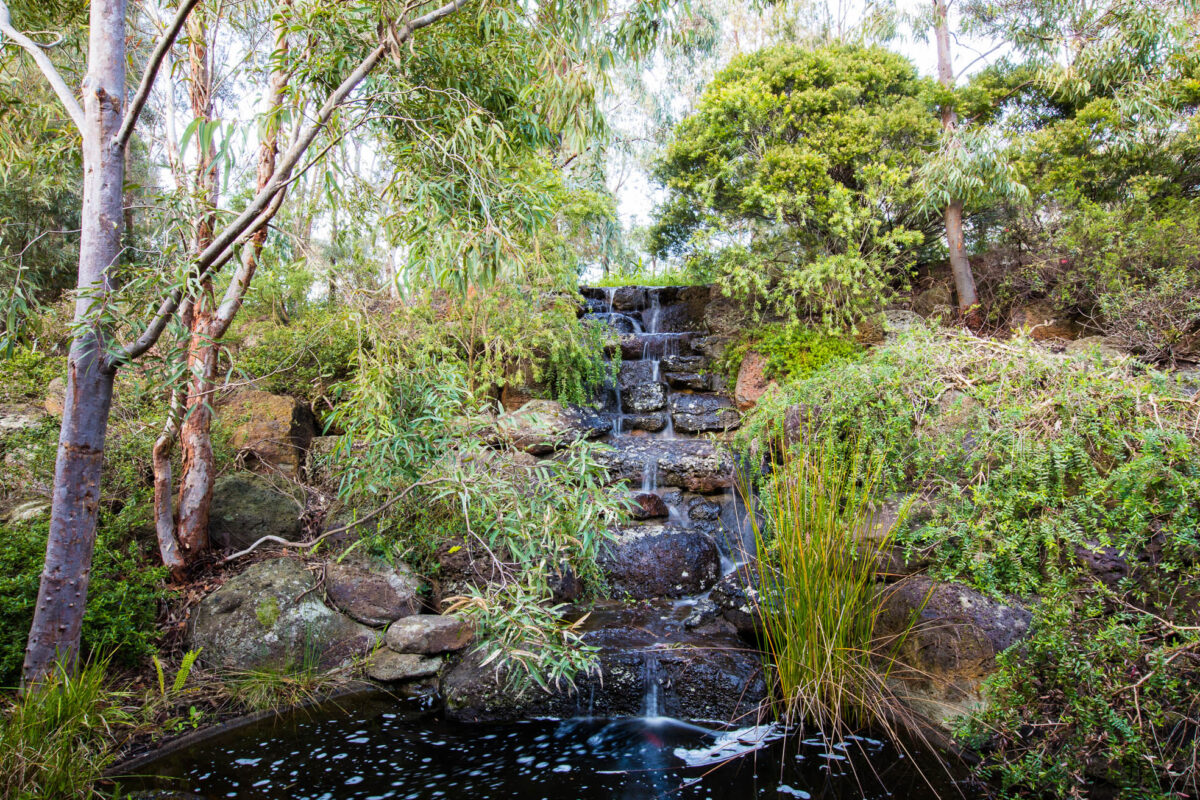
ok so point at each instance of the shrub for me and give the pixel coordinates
(25, 374)
(1100, 691)
(413, 425)
(123, 596)
(792, 352)
(819, 600)
(302, 358)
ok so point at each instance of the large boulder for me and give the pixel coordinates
(936, 301)
(699, 413)
(542, 426)
(247, 507)
(692, 464)
(272, 616)
(1096, 346)
(648, 561)
(269, 430)
(649, 664)
(953, 636)
(724, 316)
(1042, 322)
(372, 591)
(18, 417)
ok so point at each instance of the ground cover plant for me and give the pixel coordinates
(1032, 465)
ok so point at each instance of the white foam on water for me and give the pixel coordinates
(730, 744)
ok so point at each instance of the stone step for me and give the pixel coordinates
(696, 465)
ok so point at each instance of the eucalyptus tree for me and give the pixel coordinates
(106, 120)
(346, 46)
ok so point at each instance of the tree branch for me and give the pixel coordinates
(74, 110)
(152, 66)
(258, 212)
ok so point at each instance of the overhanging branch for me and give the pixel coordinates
(65, 95)
(152, 66)
(260, 211)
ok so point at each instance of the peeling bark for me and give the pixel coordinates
(62, 595)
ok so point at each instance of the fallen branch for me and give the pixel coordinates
(340, 529)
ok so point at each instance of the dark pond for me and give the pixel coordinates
(378, 751)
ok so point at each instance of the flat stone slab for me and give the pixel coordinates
(389, 666)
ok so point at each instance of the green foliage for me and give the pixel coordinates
(792, 352)
(527, 635)
(794, 182)
(819, 599)
(25, 374)
(1100, 691)
(40, 168)
(414, 432)
(303, 358)
(1025, 460)
(123, 596)
(641, 276)
(1028, 454)
(1130, 266)
(57, 738)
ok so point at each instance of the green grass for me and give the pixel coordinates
(643, 277)
(58, 739)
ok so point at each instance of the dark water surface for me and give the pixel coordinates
(379, 751)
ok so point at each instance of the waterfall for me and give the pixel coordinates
(650, 697)
(650, 475)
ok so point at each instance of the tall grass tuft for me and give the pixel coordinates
(57, 739)
(819, 556)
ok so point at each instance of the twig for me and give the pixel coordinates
(340, 529)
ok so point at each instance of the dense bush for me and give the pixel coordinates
(1101, 690)
(123, 596)
(792, 352)
(416, 419)
(302, 358)
(1027, 453)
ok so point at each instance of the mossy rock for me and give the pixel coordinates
(272, 617)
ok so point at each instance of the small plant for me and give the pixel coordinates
(819, 596)
(527, 636)
(58, 738)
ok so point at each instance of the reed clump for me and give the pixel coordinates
(820, 549)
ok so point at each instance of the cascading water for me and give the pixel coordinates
(651, 705)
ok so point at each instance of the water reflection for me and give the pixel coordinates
(385, 754)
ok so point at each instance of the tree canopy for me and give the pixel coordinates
(796, 178)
